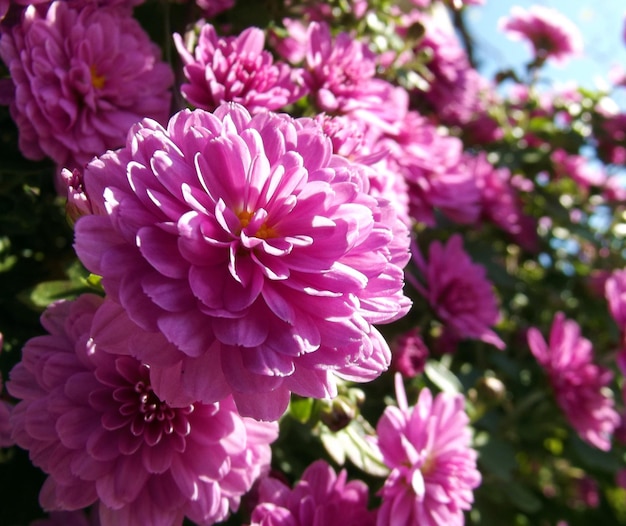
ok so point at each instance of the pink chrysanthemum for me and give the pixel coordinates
(92, 422)
(236, 69)
(433, 468)
(458, 291)
(434, 169)
(500, 203)
(258, 254)
(82, 77)
(550, 33)
(409, 354)
(580, 386)
(340, 75)
(320, 497)
(454, 92)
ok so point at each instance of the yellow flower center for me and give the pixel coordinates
(97, 81)
(263, 232)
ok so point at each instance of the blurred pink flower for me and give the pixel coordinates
(82, 77)
(320, 497)
(409, 354)
(551, 34)
(5, 412)
(258, 253)
(458, 291)
(454, 91)
(236, 69)
(211, 8)
(434, 169)
(579, 385)
(92, 422)
(433, 468)
(578, 168)
(615, 293)
(340, 75)
(499, 200)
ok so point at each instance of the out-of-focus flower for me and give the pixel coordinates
(409, 354)
(615, 293)
(5, 412)
(211, 8)
(499, 200)
(236, 69)
(577, 168)
(319, 497)
(579, 385)
(91, 421)
(82, 77)
(433, 467)
(586, 493)
(458, 291)
(454, 92)
(551, 34)
(258, 253)
(340, 75)
(433, 167)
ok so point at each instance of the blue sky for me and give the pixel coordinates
(601, 23)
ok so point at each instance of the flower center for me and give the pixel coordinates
(151, 408)
(249, 219)
(148, 416)
(429, 465)
(97, 81)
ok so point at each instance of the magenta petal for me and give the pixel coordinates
(160, 250)
(241, 331)
(270, 407)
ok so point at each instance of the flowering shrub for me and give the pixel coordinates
(301, 263)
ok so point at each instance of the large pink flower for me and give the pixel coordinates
(320, 497)
(82, 77)
(433, 468)
(550, 33)
(458, 291)
(579, 385)
(258, 254)
(92, 422)
(236, 69)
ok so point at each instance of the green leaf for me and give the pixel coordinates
(352, 442)
(442, 377)
(48, 292)
(301, 409)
